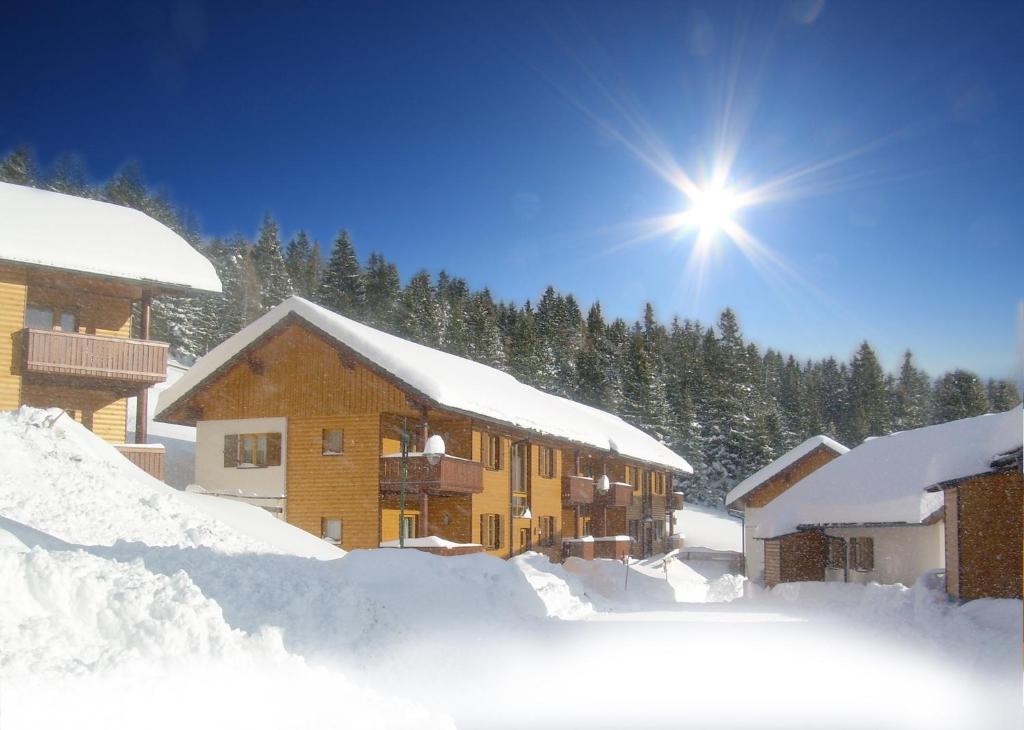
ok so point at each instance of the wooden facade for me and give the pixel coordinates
(86, 362)
(984, 536)
(799, 556)
(479, 493)
(779, 483)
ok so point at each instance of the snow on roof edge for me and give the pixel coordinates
(779, 465)
(360, 337)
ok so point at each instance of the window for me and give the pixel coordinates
(588, 529)
(546, 461)
(862, 553)
(634, 530)
(490, 531)
(524, 538)
(330, 530)
(251, 450)
(586, 469)
(659, 530)
(408, 527)
(546, 531)
(48, 318)
(332, 442)
(519, 505)
(490, 451)
(836, 558)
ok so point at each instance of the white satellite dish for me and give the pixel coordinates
(434, 449)
(603, 484)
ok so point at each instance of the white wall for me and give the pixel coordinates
(213, 476)
(753, 550)
(902, 553)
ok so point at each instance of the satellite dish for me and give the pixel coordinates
(604, 484)
(434, 449)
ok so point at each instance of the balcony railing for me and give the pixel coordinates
(618, 495)
(577, 490)
(676, 500)
(148, 457)
(449, 476)
(113, 359)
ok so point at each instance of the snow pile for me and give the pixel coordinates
(179, 442)
(60, 478)
(563, 593)
(78, 234)
(448, 380)
(708, 528)
(783, 462)
(883, 479)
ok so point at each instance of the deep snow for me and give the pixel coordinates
(127, 603)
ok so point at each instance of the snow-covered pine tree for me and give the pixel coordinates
(484, 334)
(1002, 395)
(959, 394)
(452, 293)
(19, 167)
(419, 312)
(69, 176)
(527, 360)
(383, 290)
(302, 260)
(592, 363)
(342, 286)
(268, 261)
(868, 413)
(644, 400)
(911, 400)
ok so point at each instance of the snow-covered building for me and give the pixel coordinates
(984, 527)
(756, 492)
(868, 515)
(72, 271)
(305, 412)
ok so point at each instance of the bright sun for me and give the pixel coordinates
(712, 209)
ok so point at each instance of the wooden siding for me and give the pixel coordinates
(102, 308)
(495, 498)
(13, 293)
(148, 457)
(390, 517)
(951, 501)
(295, 373)
(772, 488)
(546, 499)
(796, 557)
(344, 486)
(103, 412)
(989, 527)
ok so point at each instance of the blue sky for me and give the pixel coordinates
(518, 145)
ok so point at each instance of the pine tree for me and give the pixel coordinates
(1002, 395)
(644, 401)
(484, 334)
(275, 284)
(342, 286)
(420, 318)
(19, 167)
(452, 294)
(911, 401)
(127, 188)
(383, 291)
(70, 177)
(959, 394)
(592, 363)
(868, 410)
(302, 260)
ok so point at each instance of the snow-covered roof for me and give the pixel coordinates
(884, 479)
(450, 381)
(43, 228)
(783, 462)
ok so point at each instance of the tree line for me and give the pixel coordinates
(719, 400)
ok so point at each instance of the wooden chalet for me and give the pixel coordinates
(757, 491)
(77, 278)
(304, 412)
(984, 525)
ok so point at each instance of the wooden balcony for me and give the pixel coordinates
(676, 500)
(618, 495)
(114, 360)
(577, 490)
(449, 476)
(148, 457)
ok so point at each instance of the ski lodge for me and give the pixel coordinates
(77, 278)
(330, 424)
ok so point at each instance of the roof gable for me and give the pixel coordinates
(788, 462)
(444, 380)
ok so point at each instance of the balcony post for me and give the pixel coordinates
(421, 524)
(142, 401)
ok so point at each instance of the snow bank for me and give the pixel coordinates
(705, 527)
(883, 479)
(179, 442)
(67, 232)
(62, 479)
(451, 381)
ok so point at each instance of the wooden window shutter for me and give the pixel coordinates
(485, 439)
(273, 449)
(231, 450)
(868, 548)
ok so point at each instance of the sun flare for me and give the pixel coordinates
(712, 209)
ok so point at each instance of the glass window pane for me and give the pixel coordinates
(39, 318)
(67, 322)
